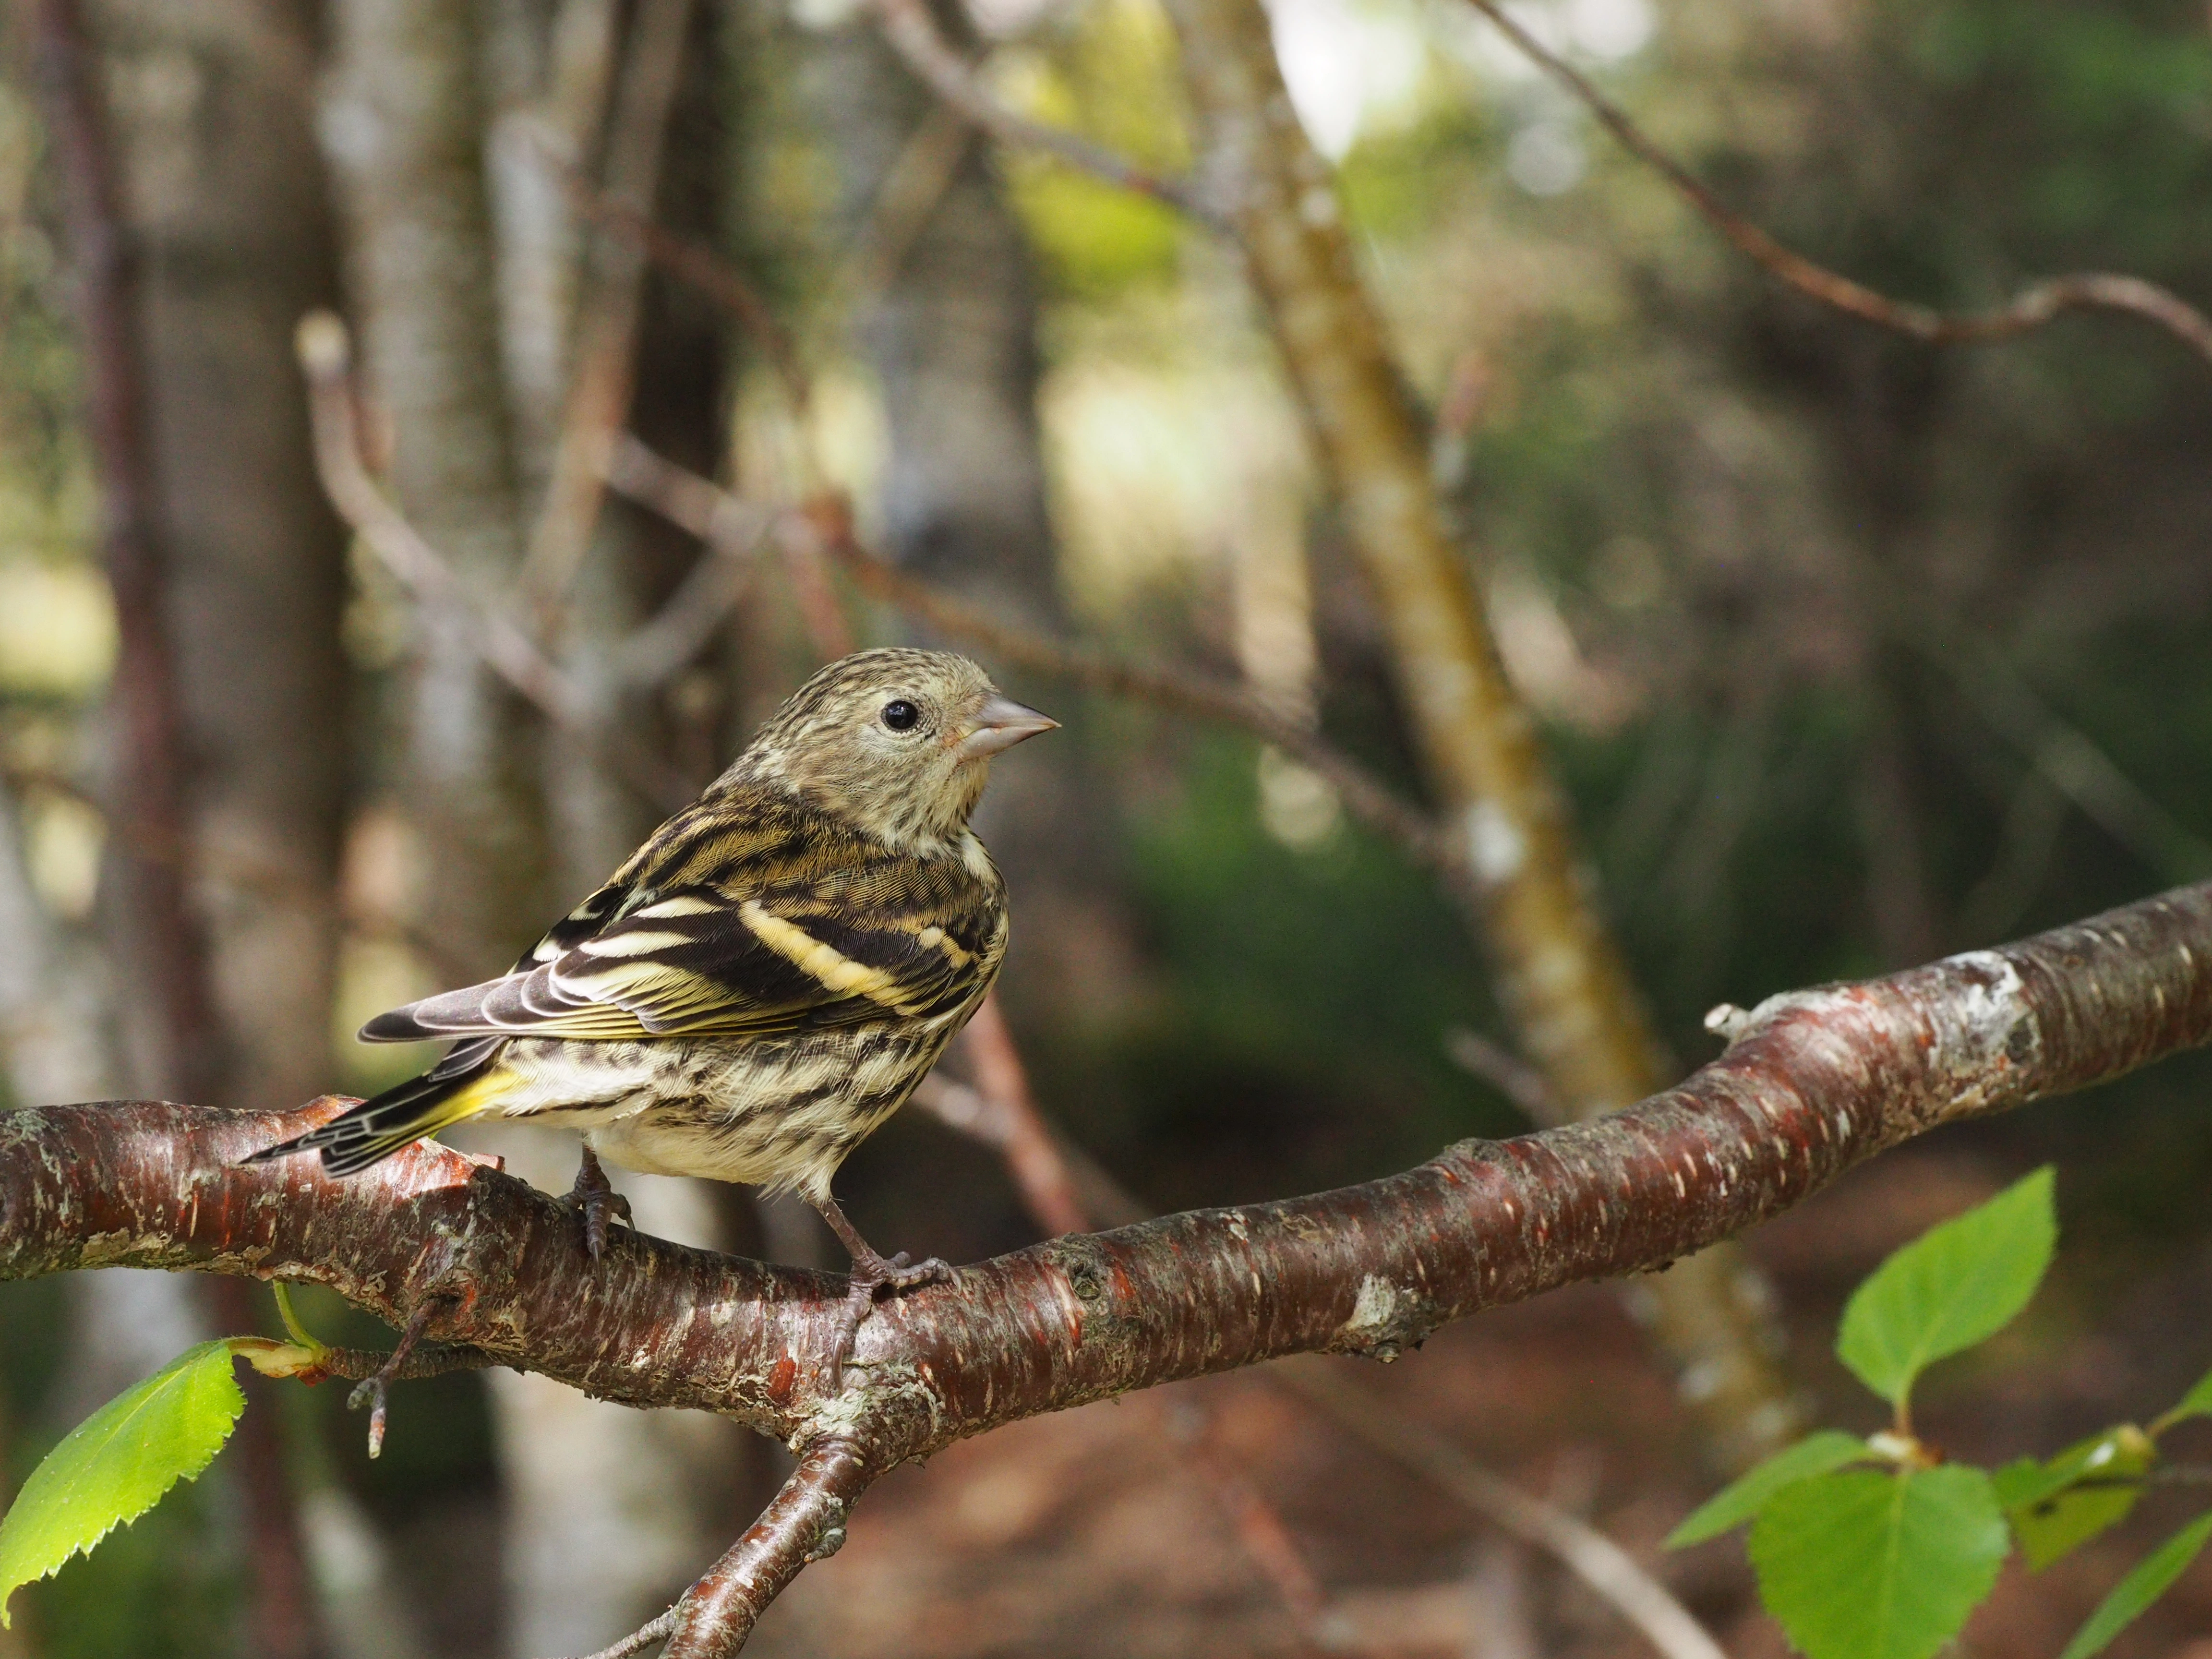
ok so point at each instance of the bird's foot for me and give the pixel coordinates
(876, 1275)
(876, 1278)
(595, 1197)
(872, 1271)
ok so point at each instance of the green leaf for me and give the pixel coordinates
(1744, 1496)
(2140, 1589)
(2050, 1515)
(116, 1464)
(1957, 1284)
(1864, 1564)
(2197, 1402)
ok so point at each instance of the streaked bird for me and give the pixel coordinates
(766, 980)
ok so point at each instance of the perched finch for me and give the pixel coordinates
(767, 979)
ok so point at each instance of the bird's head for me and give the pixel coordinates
(896, 741)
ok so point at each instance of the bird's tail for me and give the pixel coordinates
(379, 1126)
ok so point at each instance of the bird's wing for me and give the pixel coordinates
(896, 936)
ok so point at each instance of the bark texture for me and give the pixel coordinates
(1560, 977)
(1814, 1082)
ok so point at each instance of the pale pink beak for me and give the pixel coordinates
(1000, 724)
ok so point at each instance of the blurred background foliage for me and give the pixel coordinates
(1839, 641)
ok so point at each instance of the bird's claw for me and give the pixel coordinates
(595, 1198)
(891, 1275)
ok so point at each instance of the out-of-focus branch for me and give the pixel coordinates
(1034, 1159)
(698, 505)
(326, 354)
(1595, 1559)
(1812, 1083)
(600, 380)
(2063, 754)
(1364, 796)
(1565, 989)
(707, 272)
(1258, 1526)
(914, 35)
(1504, 1070)
(2031, 308)
(912, 186)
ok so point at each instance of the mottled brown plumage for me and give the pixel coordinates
(765, 980)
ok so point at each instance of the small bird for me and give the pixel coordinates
(766, 980)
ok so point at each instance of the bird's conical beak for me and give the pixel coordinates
(1000, 724)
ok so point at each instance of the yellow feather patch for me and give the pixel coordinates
(834, 969)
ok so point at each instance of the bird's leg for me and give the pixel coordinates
(871, 1271)
(595, 1196)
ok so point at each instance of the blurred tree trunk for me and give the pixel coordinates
(403, 126)
(952, 338)
(194, 226)
(1560, 977)
(227, 204)
(608, 1511)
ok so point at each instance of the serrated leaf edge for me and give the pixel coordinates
(183, 1361)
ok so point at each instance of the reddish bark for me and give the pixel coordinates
(1814, 1082)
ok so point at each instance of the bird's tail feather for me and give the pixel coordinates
(379, 1126)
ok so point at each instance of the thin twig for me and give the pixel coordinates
(1504, 1070)
(654, 1629)
(913, 35)
(2062, 753)
(374, 1389)
(733, 530)
(2031, 308)
(1260, 1526)
(1364, 796)
(727, 521)
(912, 186)
(690, 501)
(1033, 1157)
(806, 566)
(326, 353)
(705, 270)
(601, 378)
(1599, 1562)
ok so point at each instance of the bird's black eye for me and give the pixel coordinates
(900, 714)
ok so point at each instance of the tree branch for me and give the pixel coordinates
(701, 507)
(2031, 308)
(1813, 1083)
(913, 35)
(325, 354)
(803, 1522)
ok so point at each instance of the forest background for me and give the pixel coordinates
(1851, 650)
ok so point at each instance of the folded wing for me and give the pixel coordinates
(912, 941)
